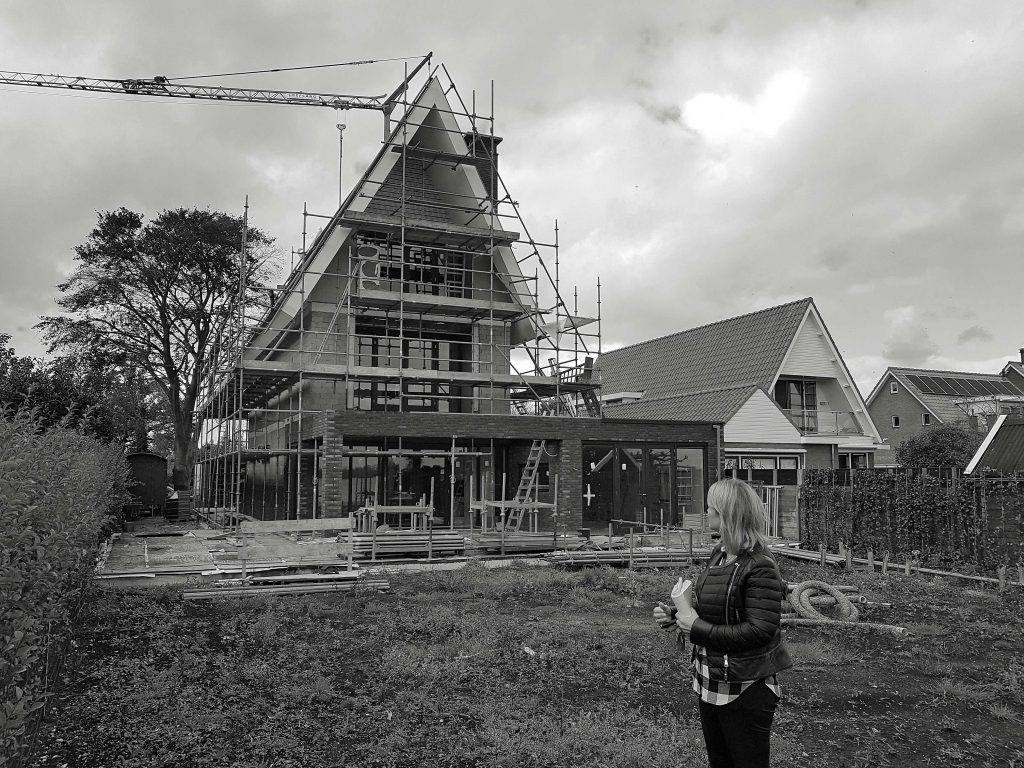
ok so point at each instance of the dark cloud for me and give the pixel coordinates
(974, 333)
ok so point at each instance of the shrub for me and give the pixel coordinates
(59, 492)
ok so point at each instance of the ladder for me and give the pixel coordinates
(527, 483)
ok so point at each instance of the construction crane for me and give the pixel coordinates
(164, 87)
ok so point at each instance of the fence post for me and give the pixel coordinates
(885, 563)
(849, 559)
(821, 554)
(871, 560)
(1002, 578)
(906, 566)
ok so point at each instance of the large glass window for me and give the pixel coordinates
(799, 399)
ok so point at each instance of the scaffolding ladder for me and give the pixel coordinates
(527, 483)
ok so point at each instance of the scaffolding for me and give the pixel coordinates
(424, 293)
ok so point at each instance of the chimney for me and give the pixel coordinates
(1021, 350)
(485, 148)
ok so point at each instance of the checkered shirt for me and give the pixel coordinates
(719, 692)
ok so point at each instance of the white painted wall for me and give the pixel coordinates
(810, 354)
(759, 420)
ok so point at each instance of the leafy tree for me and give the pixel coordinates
(89, 393)
(941, 445)
(160, 294)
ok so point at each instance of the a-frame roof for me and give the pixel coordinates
(710, 370)
(428, 135)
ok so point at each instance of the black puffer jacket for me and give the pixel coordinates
(739, 607)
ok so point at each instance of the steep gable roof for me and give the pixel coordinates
(745, 351)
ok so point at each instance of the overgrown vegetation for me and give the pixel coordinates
(967, 523)
(520, 667)
(940, 445)
(58, 490)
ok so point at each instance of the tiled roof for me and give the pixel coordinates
(1006, 451)
(694, 368)
(717, 405)
(943, 406)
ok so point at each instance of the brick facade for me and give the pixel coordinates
(566, 437)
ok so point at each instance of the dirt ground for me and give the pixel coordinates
(522, 667)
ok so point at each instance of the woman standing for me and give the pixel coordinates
(737, 642)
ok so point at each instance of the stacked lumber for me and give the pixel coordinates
(402, 543)
(291, 587)
(644, 558)
(522, 541)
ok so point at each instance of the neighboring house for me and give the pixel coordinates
(908, 400)
(1013, 371)
(774, 378)
(1002, 450)
(382, 375)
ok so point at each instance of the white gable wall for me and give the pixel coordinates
(759, 420)
(813, 353)
(810, 354)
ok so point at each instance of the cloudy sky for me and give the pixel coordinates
(704, 159)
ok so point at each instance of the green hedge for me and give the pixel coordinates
(948, 520)
(60, 493)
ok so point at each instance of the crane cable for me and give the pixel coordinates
(293, 69)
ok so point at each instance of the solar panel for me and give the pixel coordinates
(959, 386)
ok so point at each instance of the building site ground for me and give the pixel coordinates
(522, 666)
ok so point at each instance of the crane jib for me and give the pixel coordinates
(160, 86)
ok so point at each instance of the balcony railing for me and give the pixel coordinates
(824, 422)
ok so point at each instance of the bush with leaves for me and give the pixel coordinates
(59, 494)
(941, 445)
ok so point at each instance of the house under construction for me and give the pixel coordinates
(422, 363)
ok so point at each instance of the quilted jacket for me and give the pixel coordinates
(739, 606)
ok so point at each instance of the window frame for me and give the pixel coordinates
(894, 388)
(926, 419)
(894, 422)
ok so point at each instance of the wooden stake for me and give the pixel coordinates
(906, 567)
(1002, 578)
(871, 559)
(842, 549)
(885, 563)
(849, 559)
(821, 554)
(609, 537)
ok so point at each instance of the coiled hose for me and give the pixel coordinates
(805, 596)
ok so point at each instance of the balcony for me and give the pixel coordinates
(824, 422)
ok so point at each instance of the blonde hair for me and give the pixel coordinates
(742, 515)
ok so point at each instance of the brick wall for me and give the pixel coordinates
(566, 436)
(903, 404)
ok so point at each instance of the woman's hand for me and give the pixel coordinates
(665, 616)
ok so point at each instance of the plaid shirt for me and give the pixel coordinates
(719, 692)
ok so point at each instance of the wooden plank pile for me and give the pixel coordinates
(394, 543)
(293, 584)
(264, 541)
(638, 558)
(522, 541)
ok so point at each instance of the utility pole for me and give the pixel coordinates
(341, 159)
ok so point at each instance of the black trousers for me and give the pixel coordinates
(737, 734)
